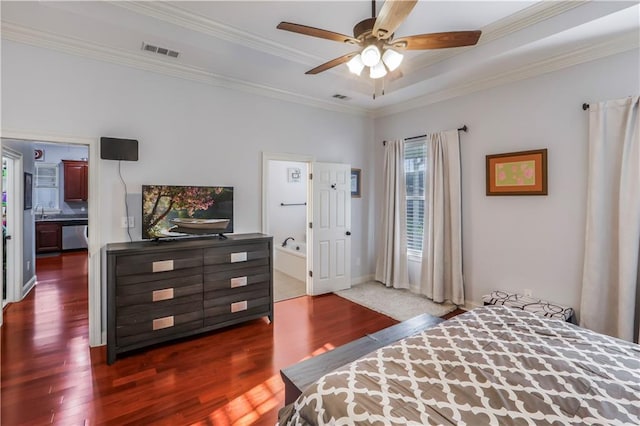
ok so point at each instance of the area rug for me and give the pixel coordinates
(397, 303)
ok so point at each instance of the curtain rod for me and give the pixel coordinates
(585, 107)
(461, 129)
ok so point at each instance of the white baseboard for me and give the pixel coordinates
(362, 279)
(26, 288)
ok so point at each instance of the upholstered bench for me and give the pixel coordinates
(527, 303)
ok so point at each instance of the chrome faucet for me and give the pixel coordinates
(42, 216)
(285, 241)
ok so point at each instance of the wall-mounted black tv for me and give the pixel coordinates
(186, 211)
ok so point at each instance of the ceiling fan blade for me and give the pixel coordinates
(316, 32)
(332, 63)
(392, 14)
(438, 40)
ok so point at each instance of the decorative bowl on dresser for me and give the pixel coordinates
(158, 291)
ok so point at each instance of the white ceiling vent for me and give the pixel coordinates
(159, 50)
(341, 97)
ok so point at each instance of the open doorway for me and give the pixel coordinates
(74, 213)
(285, 209)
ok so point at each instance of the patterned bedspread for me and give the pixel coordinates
(493, 365)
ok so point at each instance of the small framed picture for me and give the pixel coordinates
(356, 183)
(517, 173)
(293, 174)
(28, 190)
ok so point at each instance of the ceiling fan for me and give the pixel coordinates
(379, 50)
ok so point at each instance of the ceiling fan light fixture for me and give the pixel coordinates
(370, 55)
(392, 59)
(355, 64)
(378, 70)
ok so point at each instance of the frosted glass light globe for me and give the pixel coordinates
(370, 55)
(378, 70)
(355, 65)
(392, 59)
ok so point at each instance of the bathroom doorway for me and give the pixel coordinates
(286, 187)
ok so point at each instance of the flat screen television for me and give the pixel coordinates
(186, 211)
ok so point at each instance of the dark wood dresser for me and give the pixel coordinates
(159, 291)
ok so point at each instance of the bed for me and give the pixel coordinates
(491, 365)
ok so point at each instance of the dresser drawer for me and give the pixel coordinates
(228, 297)
(157, 291)
(135, 280)
(154, 263)
(183, 325)
(239, 253)
(165, 305)
(220, 280)
(238, 309)
(153, 321)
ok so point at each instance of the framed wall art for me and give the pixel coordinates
(28, 191)
(293, 174)
(517, 173)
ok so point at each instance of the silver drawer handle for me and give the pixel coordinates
(162, 266)
(238, 282)
(239, 306)
(164, 294)
(160, 323)
(239, 257)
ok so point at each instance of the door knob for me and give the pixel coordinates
(333, 186)
(348, 233)
(8, 237)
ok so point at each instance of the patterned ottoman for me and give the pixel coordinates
(526, 303)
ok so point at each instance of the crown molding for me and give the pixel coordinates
(21, 34)
(584, 53)
(175, 15)
(518, 21)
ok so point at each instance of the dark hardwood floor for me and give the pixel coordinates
(230, 377)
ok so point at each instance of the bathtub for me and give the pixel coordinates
(291, 260)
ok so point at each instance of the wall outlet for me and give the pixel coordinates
(527, 292)
(28, 265)
(127, 222)
(358, 261)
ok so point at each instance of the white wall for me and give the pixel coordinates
(287, 221)
(518, 242)
(189, 133)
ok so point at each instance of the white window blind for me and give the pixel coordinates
(414, 168)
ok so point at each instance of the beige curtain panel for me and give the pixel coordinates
(610, 295)
(441, 273)
(392, 261)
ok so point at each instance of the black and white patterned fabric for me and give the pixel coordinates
(490, 366)
(526, 303)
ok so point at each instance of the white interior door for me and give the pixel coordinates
(12, 215)
(330, 257)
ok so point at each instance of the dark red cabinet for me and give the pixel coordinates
(76, 175)
(48, 237)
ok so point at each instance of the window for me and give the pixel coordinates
(414, 169)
